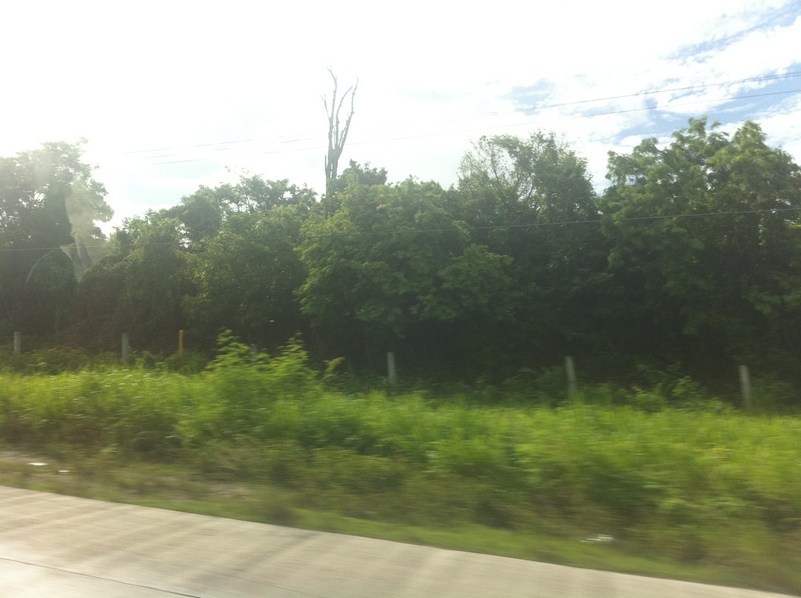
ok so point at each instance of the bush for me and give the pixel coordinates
(771, 395)
(257, 417)
(46, 361)
(547, 386)
(186, 363)
(242, 387)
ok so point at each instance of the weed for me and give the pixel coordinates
(666, 468)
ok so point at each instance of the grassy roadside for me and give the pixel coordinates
(759, 563)
(666, 481)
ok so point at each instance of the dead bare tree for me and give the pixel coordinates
(336, 136)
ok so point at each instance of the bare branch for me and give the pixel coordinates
(337, 135)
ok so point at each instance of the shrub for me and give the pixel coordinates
(46, 361)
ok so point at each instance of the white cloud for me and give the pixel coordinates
(782, 126)
(187, 76)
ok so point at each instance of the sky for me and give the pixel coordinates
(171, 95)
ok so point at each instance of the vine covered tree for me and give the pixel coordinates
(706, 245)
(49, 207)
(393, 269)
(531, 199)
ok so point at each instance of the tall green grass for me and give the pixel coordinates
(697, 483)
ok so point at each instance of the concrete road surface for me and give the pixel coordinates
(60, 546)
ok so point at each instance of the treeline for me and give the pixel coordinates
(691, 256)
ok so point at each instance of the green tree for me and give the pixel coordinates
(392, 268)
(706, 249)
(222, 259)
(354, 174)
(200, 215)
(49, 206)
(138, 288)
(248, 271)
(532, 200)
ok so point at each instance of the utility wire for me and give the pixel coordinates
(539, 108)
(489, 127)
(600, 220)
(288, 139)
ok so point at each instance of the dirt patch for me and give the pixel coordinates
(228, 490)
(10, 456)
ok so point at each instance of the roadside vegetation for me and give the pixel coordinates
(688, 258)
(662, 480)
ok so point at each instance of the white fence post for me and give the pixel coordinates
(126, 348)
(745, 387)
(570, 368)
(392, 375)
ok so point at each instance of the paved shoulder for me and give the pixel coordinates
(53, 545)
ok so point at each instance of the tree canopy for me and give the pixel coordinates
(49, 209)
(705, 241)
(692, 255)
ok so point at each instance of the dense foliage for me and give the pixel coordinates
(687, 265)
(691, 256)
(668, 471)
(49, 204)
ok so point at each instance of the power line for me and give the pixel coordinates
(288, 139)
(674, 89)
(293, 139)
(489, 127)
(593, 115)
(600, 220)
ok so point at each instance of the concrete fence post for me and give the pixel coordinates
(392, 375)
(126, 348)
(570, 368)
(745, 388)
